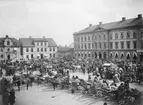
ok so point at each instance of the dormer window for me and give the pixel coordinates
(8, 42)
(1, 50)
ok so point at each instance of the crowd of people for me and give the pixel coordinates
(22, 72)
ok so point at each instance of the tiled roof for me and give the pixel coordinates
(64, 49)
(114, 25)
(15, 42)
(28, 42)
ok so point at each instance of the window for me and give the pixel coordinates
(95, 45)
(134, 35)
(111, 36)
(111, 45)
(78, 46)
(95, 37)
(85, 47)
(1, 56)
(122, 45)
(105, 45)
(92, 45)
(82, 46)
(141, 34)
(88, 45)
(53, 48)
(78, 54)
(41, 49)
(50, 49)
(41, 43)
(53, 55)
(8, 49)
(122, 35)
(134, 44)
(128, 44)
(50, 55)
(45, 43)
(116, 36)
(31, 49)
(37, 49)
(8, 42)
(1, 50)
(78, 39)
(104, 37)
(45, 49)
(27, 56)
(88, 55)
(128, 34)
(27, 49)
(31, 55)
(92, 38)
(141, 44)
(37, 43)
(99, 37)
(88, 38)
(100, 45)
(116, 45)
(85, 38)
(82, 39)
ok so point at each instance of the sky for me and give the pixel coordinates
(59, 19)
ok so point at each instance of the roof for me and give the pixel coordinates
(15, 42)
(28, 42)
(64, 49)
(114, 25)
(51, 42)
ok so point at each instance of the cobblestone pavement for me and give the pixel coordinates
(43, 95)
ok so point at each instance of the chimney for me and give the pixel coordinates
(139, 15)
(90, 25)
(123, 18)
(100, 23)
(30, 36)
(43, 37)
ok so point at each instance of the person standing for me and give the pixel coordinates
(27, 83)
(18, 84)
(12, 97)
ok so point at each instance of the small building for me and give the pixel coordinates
(65, 52)
(38, 48)
(9, 48)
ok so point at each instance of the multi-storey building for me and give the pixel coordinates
(116, 40)
(9, 48)
(38, 48)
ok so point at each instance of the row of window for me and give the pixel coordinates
(3, 50)
(103, 45)
(40, 49)
(122, 45)
(88, 38)
(83, 55)
(91, 45)
(41, 43)
(117, 35)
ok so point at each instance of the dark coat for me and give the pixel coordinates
(12, 97)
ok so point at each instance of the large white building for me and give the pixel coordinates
(38, 48)
(9, 48)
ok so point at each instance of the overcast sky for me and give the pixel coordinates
(59, 19)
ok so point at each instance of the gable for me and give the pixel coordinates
(99, 29)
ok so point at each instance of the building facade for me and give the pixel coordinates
(9, 48)
(38, 48)
(122, 39)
